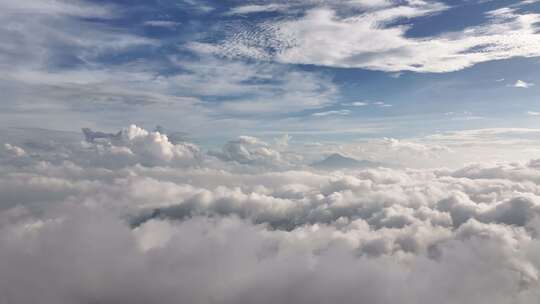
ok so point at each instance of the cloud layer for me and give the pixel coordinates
(138, 219)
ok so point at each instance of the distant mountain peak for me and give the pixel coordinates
(338, 156)
(339, 161)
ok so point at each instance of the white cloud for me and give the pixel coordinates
(199, 6)
(178, 233)
(148, 148)
(529, 1)
(48, 29)
(162, 23)
(257, 89)
(247, 150)
(322, 37)
(79, 8)
(357, 104)
(533, 113)
(413, 146)
(14, 150)
(332, 112)
(382, 104)
(522, 84)
(253, 8)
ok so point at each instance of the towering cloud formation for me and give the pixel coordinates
(138, 145)
(137, 219)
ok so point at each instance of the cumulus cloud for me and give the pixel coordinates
(156, 230)
(142, 146)
(248, 150)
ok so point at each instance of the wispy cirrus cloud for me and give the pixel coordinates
(321, 36)
(162, 23)
(49, 67)
(255, 8)
(332, 112)
(357, 104)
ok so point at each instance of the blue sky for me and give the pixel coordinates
(312, 68)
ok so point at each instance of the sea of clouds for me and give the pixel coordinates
(137, 218)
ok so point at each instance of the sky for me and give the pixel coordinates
(303, 151)
(216, 69)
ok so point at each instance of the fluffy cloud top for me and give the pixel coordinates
(142, 146)
(74, 231)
